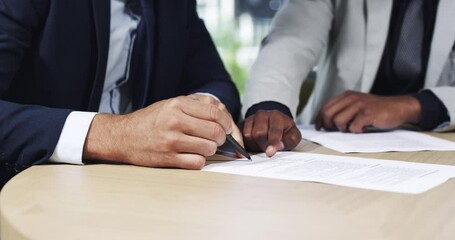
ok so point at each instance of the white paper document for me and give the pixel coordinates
(393, 141)
(383, 175)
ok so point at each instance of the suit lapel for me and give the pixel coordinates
(102, 16)
(443, 41)
(378, 19)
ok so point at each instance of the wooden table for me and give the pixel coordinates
(127, 202)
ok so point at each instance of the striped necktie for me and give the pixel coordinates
(407, 63)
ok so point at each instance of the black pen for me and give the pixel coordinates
(237, 146)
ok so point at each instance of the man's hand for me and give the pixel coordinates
(178, 132)
(270, 131)
(354, 112)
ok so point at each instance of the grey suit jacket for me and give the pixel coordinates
(345, 40)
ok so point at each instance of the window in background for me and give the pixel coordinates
(237, 27)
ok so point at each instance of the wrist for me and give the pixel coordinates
(268, 106)
(103, 139)
(412, 109)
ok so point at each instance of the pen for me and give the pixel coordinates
(237, 146)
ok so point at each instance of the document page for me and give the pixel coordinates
(383, 175)
(393, 141)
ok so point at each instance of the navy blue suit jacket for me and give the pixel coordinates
(53, 56)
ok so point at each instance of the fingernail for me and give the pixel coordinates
(270, 149)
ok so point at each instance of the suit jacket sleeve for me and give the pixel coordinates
(444, 90)
(446, 95)
(299, 33)
(204, 69)
(28, 134)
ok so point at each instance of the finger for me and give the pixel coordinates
(200, 128)
(205, 111)
(329, 111)
(261, 129)
(178, 160)
(337, 98)
(360, 122)
(194, 145)
(189, 161)
(291, 138)
(271, 150)
(277, 125)
(343, 119)
(247, 130)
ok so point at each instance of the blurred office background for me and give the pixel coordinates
(237, 27)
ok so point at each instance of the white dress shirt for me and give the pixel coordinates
(116, 96)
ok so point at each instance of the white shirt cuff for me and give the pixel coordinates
(208, 94)
(72, 139)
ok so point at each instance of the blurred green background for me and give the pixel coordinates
(229, 46)
(237, 28)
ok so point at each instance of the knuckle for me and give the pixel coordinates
(285, 118)
(249, 120)
(175, 102)
(171, 142)
(214, 112)
(275, 114)
(262, 113)
(221, 106)
(260, 134)
(275, 131)
(213, 100)
(217, 132)
(246, 134)
(174, 122)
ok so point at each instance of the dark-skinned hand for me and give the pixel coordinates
(355, 111)
(270, 132)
